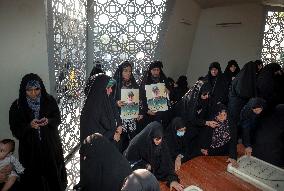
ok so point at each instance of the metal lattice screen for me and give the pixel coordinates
(273, 40)
(69, 60)
(127, 30)
(119, 30)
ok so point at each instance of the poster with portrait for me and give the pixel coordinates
(157, 97)
(130, 99)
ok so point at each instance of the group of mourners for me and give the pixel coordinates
(209, 118)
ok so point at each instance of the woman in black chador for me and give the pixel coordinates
(125, 80)
(154, 74)
(34, 119)
(102, 166)
(267, 83)
(268, 144)
(214, 89)
(242, 89)
(231, 71)
(99, 115)
(148, 150)
(179, 141)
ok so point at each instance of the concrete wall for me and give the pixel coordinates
(239, 42)
(23, 49)
(179, 37)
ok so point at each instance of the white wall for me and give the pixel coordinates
(179, 38)
(222, 44)
(23, 49)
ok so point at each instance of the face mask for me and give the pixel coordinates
(180, 133)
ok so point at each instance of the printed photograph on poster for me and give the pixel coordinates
(157, 97)
(130, 98)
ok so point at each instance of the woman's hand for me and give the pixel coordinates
(212, 124)
(150, 112)
(233, 162)
(177, 186)
(177, 163)
(116, 137)
(139, 117)
(34, 124)
(248, 151)
(120, 103)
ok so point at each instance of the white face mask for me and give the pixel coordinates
(180, 133)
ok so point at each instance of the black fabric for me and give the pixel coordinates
(266, 83)
(179, 91)
(142, 151)
(148, 79)
(248, 119)
(42, 159)
(96, 70)
(178, 145)
(141, 180)
(242, 89)
(99, 115)
(187, 107)
(269, 137)
(216, 87)
(228, 73)
(244, 85)
(119, 80)
(102, 166)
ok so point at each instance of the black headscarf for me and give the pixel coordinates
(147, 77)
(22, 92)
(98, 113)
(253, 103)
(141, 180)
(244, 85)
(102, 165)
(143, 148)
(119, 79)
(265, 81)
(174, 142)
(228, 73)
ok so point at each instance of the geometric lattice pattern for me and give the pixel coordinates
(126, 30)
(273, 39)
(69, 59)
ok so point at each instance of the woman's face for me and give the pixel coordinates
(157, 141)
(33, 92)
(257, 110)
(214, 71)
(233, 68)
(108, 90)
(126, 73)
(155, 72)
(222, 116)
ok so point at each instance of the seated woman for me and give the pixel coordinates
(149, 151)
(178, 141)
(102, 166)
(248, 117)
(215, 139)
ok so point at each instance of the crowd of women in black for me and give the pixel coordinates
(207, 119)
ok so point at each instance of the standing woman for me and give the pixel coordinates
(99, 114)
(153, 75)
(125, 80)
(34, 119)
